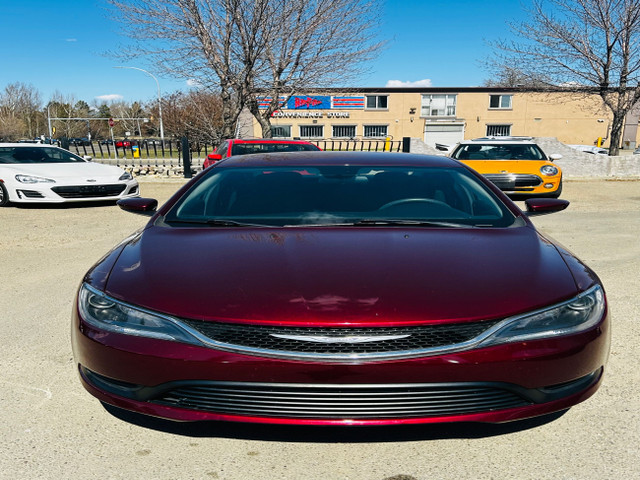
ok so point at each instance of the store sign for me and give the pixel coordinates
(309, 103)
(307, 114)
(348, 102)
(314, 102)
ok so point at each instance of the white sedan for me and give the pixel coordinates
(590, 149)
(31, 173)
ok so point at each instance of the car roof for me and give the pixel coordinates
(498, 140)
(320, 158)
(27, 145)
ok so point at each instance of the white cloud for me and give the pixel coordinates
(192, 82)
(400, 84)
(113, 97)
(71, 40)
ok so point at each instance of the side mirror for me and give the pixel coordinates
(88, 158)
(542, 206)
(555, 156)
(141, 206)
(214, 157)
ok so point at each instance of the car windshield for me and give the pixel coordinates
(247, 148)
(339, 195)
(498, 151)
(32, 155)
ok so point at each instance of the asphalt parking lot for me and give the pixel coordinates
(52, 429)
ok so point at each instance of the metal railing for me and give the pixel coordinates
(142, 153)
(372, 145)
(154, 153)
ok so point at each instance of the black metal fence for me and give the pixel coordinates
(378, 145)
(142, 152)
(168, 154)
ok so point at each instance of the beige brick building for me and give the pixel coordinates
(446, 115)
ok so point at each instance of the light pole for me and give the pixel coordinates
(159, 100)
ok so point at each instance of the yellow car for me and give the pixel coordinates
(516, 165)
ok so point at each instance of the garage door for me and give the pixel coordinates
(447, 134)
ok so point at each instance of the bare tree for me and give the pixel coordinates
(582, 45)
(245, 48)
(129, 117)
(20, 111)
(308, 44)
(509, 76)
(190, 39)
(63, 108)
(196, 114)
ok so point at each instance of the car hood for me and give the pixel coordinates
(62, 171)
(353, 276)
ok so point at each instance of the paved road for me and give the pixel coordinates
(52, 429)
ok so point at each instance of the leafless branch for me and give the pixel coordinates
(246, 47)
(581, 44)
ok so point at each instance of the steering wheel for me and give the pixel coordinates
(402, 201)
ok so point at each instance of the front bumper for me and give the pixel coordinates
(59, 193)
(526, 184)
(189, 383)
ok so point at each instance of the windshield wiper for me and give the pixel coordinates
(383, 222)
(214, 222)
(410, 223)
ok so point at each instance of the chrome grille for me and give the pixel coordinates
(509, 181)
(341, 401)
(341, 342)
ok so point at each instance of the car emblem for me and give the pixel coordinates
(92, 180)
(345, 339)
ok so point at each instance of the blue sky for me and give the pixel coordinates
(60, 46)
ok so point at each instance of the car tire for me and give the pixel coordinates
(4, 196)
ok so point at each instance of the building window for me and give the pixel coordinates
(439, 105)
(377, 102)
(281, 131)
(375, 130)
(498, 130)
(500, 101)
(344, 131)
(312, 131)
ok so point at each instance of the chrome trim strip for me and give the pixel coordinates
(343, 339)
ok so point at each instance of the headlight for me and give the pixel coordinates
(125, 176)
(106, 313)
(548, 170)
(32, 179)
(574, 316)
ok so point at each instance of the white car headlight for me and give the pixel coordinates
(106, 313)
(126, 176)
(574, 316)
(33, 179)
(548, 170)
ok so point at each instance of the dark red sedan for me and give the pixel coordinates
(341, 289)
